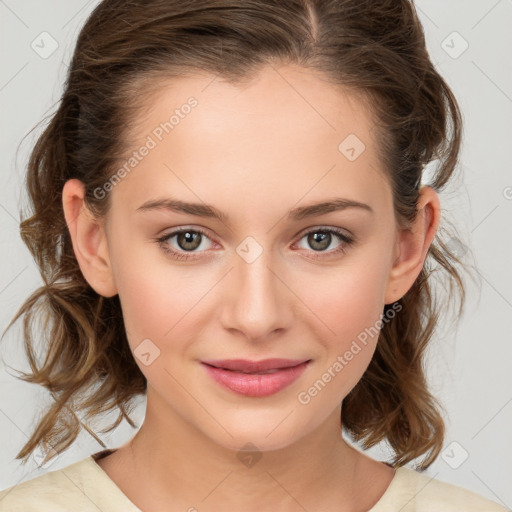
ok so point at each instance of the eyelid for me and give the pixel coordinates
(320, 227)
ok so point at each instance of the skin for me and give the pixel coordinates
(253, 152)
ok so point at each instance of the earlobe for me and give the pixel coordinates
(89, 239)
(413, 245)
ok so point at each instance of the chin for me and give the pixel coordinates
(261, 435)
(254, 442)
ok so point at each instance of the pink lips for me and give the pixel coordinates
(242, 375)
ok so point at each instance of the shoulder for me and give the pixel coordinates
(79, 487)
(422, 493)
(50, 491)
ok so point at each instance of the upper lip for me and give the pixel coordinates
(246, 365)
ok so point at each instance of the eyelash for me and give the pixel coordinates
(179, 255)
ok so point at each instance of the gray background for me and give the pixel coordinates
(469, 366)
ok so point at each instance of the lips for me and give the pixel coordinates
(255, 367)
(255, 378)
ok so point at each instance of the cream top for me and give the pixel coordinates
(85, 487)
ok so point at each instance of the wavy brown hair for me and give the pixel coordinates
(376, 49)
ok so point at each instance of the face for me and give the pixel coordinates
(258, 282)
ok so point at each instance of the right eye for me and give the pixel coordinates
(188, 240)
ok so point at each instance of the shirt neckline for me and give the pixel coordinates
(113, 489)
(385, 500)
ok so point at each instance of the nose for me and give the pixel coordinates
(256, 302)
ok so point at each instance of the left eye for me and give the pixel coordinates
(321, 239)
(189, 240)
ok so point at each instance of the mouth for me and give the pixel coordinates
(262, 367)
(255, 378)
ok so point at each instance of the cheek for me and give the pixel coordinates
(347, 312)
(350, 300)
(154, 310)
(156, 304)
(154, 296)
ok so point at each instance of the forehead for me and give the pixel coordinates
(287, 130)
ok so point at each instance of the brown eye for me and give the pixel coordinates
(319, 240)
(188, 240)
(186, 244)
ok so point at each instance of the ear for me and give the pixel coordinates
(413, 244)
(88, 238)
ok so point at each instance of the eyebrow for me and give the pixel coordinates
(206, 210)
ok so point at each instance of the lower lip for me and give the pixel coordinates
(256, 384)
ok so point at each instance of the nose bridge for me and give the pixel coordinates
(256, 301)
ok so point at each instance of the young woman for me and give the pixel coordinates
(229, 216)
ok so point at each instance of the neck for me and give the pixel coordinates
(181, 466)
